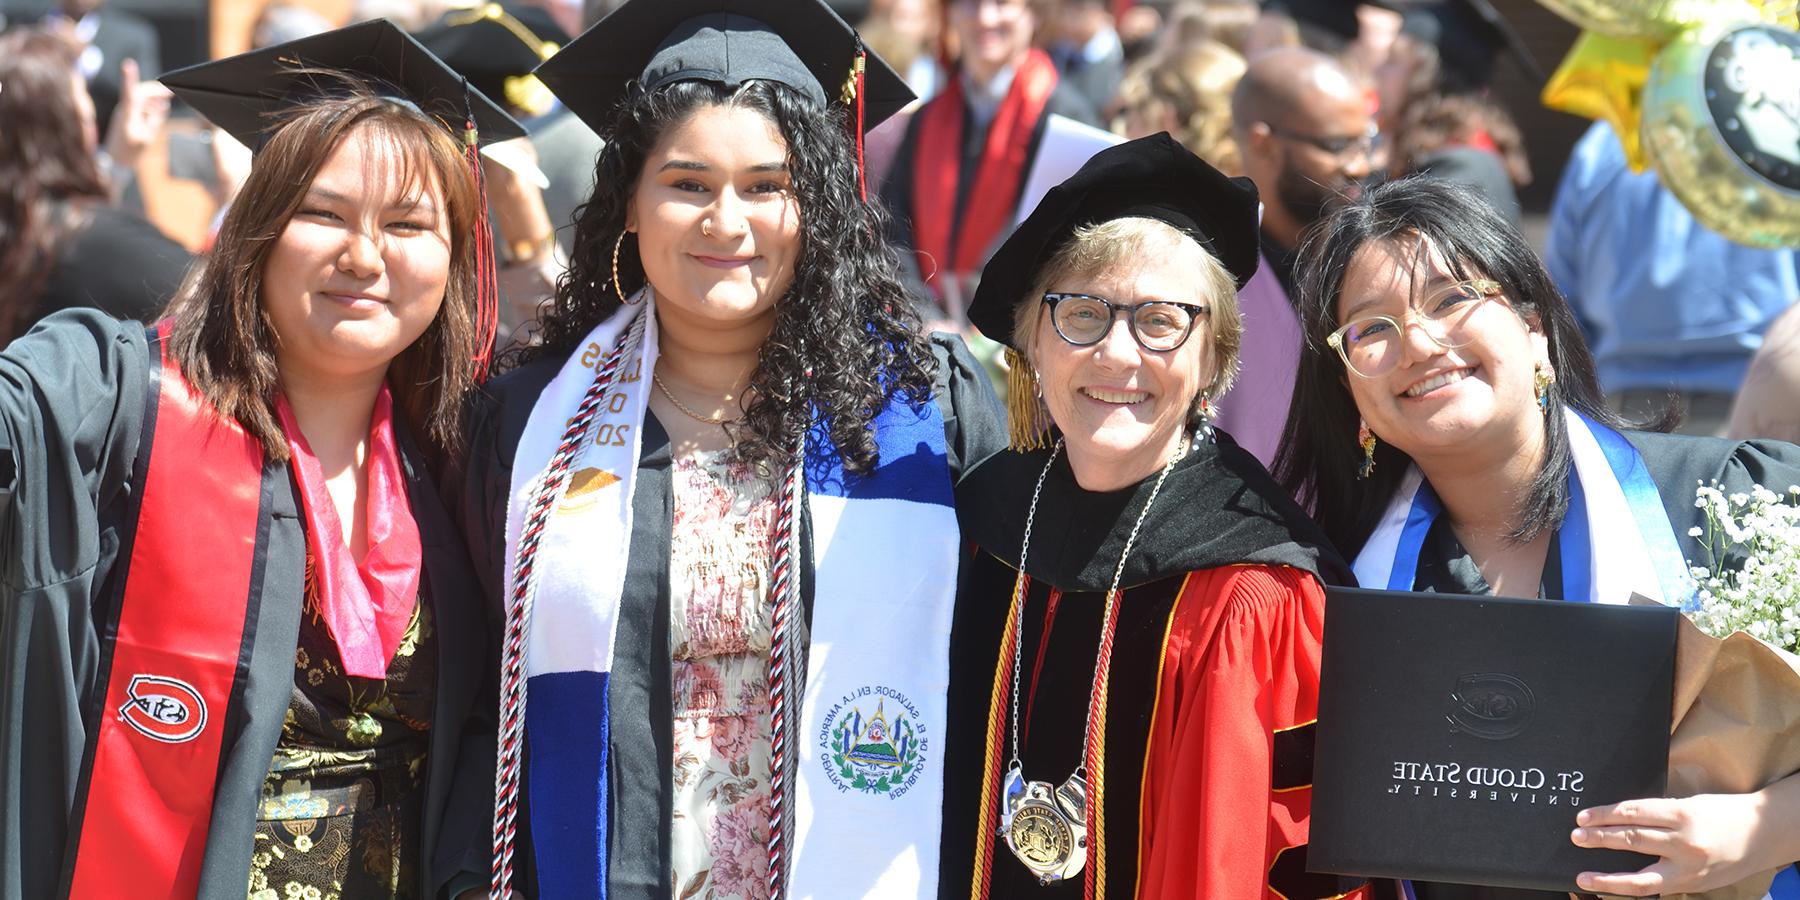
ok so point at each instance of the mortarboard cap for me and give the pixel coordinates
(650, 43)
(240, 93)
(1469, 36)
(1152, 177)
(496, 45)
(1334, 17)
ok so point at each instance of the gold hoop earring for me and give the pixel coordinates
(617, 288)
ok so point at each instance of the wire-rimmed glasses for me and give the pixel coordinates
(1371, 346)
(1158, 325)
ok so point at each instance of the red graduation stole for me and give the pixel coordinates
(176, 640)
(937, 167)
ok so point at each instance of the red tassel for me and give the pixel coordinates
(862, 170)
(487, 282)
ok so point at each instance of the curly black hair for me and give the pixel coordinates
(846, 337)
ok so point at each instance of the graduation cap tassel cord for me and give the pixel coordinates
(862, 168)
(487, 284)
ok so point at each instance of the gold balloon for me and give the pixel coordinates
(1721, 124)
(1617, 18)
(1602, 78)
(1659, 20)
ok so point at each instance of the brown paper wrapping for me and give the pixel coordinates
(1737, 726)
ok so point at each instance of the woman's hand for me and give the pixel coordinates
(138, 119)
(1705, 842)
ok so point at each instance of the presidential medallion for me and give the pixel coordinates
(1046, 828)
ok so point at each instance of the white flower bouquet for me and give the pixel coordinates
(1737, 681)
(1752, 579)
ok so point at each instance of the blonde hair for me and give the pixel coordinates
(1190, 85)
(1095, 250)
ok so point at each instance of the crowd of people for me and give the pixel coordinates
(689, 448)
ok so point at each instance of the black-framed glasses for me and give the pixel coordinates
(1158, 325)
(1371, 346)
(1343, 147)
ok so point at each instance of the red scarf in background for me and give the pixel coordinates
(368, 605)
(937, 168)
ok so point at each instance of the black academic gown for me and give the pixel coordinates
(113, 261)
(1677, 464)
(639, 697)
(72, 407)
(1184, 681)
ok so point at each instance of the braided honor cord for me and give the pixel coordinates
(784, 592)
(518, 610)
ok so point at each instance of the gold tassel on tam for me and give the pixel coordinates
(1026, 422)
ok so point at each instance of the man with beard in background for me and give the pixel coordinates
(1306, 132)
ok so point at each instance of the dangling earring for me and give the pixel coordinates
(1206, 419)
(1366, 439)
(1542, 377)
(1028, 428)
(617, 288)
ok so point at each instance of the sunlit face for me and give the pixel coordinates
(1437, 400)
(993, 34)
(360, 270)
(1122, 408)
(716, 219)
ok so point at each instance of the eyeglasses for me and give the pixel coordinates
(1344, 148)
(1371, 346)
(1158, 326)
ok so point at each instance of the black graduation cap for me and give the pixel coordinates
(650, 43)
(497, 45)
(1335, 17)
(1469, 36)
(1152, 177)
(240, 93)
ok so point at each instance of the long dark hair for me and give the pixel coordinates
(47, 172)
(846, 336)
(1319, 457)
(223, 341)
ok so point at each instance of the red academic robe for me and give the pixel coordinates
(1212, 689)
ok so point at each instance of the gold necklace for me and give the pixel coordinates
(710, 420)
(1045, 824)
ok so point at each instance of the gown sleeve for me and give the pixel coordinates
(71, 413)
(974, 423)
(71, 409)
(1228, 775)
(1681, 466)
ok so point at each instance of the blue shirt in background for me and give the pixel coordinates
(1665, 302)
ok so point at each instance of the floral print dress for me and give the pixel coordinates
(719, 647)
(344, 797)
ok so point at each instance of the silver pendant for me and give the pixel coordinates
(1045, 827)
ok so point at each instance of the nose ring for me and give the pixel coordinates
(706, 227)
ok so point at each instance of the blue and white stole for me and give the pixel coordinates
(1615, 540)
(867, 792)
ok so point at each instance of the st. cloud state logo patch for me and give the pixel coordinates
(163, 709)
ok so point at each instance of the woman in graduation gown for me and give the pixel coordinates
(717, 497)
(1135, 656)
(1445, 384)
(243, 656)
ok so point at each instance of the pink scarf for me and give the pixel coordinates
(367, 605)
